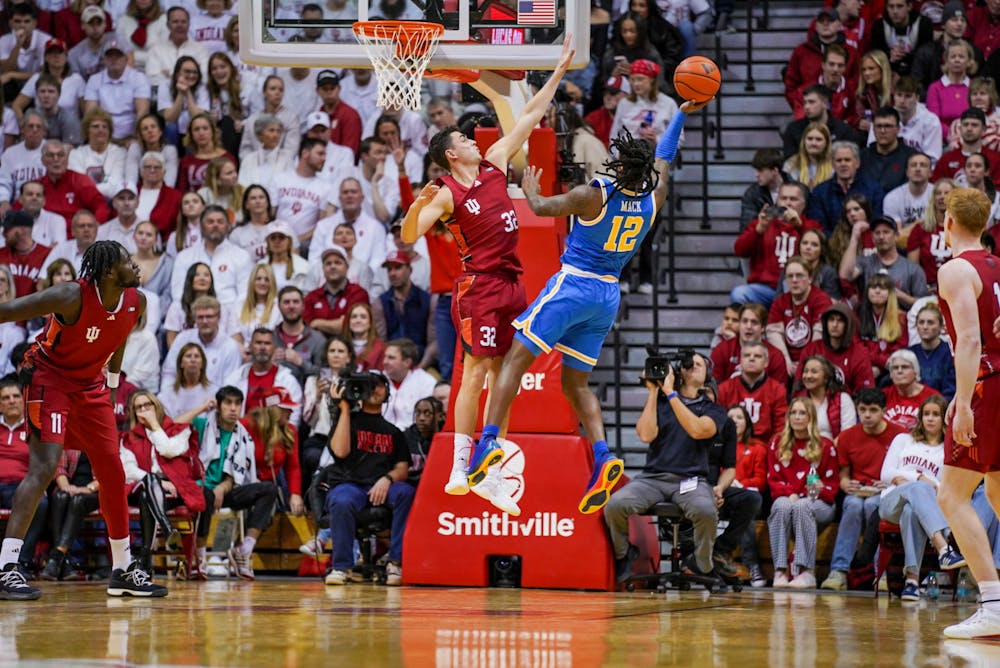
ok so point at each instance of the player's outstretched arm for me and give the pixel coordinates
(584, 201)
(501, 152)
(62, 299)
(434, 203)
(666, 149)
(959, 285)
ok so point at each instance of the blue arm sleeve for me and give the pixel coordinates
(667, 148)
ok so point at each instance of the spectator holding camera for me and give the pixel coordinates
(770, 242)
(318, 411)
(371, 461)
(680, 422)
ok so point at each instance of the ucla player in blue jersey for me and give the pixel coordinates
(575, 311)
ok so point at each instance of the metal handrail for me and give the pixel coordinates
(616, 339)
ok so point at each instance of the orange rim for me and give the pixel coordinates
(401, 32)
(454, 76)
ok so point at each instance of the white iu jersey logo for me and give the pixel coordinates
(93, 333)
(753, 408)
(939, 249)
(784, 247)
(473, 206)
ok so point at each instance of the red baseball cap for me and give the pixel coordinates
(646, 68)
(279, 396)
(55, 44)
(397, 257)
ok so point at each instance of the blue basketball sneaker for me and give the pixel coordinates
(486, 453)
(607, 471)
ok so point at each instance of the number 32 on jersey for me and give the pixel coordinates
(624, 230)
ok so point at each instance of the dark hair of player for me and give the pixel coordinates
(100, 259)
(632, 168)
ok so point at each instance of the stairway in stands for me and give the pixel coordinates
(706, 267)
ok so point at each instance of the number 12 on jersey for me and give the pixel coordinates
(624, 230)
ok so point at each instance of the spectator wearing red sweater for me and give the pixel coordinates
(763, 397)
(840, 346)
(66, 191)
(904, 396)
(601, 119)
(21, 254)
(984, 27)
(882, 323)
(794, 318)
(800, 505)
(751, 479)
(769, 242)
(860, 453)
(726, 356)
(806, 63)
(971, 128)
(327, 305)
(832, 76)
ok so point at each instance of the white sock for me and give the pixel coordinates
(248, 544)
(463, 449)
(10, 551)
(942, 550)
(121, 556)
(990, 594)
(202, 554)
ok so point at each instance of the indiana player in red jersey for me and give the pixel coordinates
(472, 201)
(69, 400)
(969, 288)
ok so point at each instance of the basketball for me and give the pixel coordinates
(697, 79)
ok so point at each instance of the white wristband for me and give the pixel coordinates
(113, 379)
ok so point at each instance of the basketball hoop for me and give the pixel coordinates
(399, 52)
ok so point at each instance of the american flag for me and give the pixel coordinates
(536, 12)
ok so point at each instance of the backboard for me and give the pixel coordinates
(479, 34)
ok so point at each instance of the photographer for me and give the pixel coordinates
(371, 460)
(680, 422)
(770, 241)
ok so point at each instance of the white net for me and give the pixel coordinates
(400, 52)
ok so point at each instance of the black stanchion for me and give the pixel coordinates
(708, 127)
(616, 339)
(750, 85)
(669, 231)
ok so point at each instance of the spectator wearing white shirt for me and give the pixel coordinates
(919, 127)
(164, 55)
(410, 383)
(339, 159)
(86, 58)
(259, 307)
(22, 162)
(188, 232)
(379, 180)
(22, 50)
(143, 24)
(120, 90)
(208, 27)
(151, 136)
(387, 129)
(358, 271)
(300, 91)
(84, 233)
(230, 264)
(142, 357)
(261, 165)
(274, 104)
(370, 233)
(412, 128)
(184, 97)
(49, 229)
(907, 204)
(301, 194)
(121, 228)
(71, 84)
(191, 387)
(359, 90)
(417, 251)
(97, 157)
(289, 267)
(222, 354)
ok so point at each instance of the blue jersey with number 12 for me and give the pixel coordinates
(605, 244)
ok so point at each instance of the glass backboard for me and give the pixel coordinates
(479, 34)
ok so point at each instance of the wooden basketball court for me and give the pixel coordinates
(300, 622)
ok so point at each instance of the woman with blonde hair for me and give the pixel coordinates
(99, 158)
(226, 94)
(203, 142)
(252, 227)
(289, 267)
(188, 231)
(982, 95)
(368, 347)
(812, 164)
(276, 446)
(881, 323)
(835, 410)
(925, 245)
(874, 88)
(803, 476)
(222, 187)
(912, 473)
(192, 392)
(259, 309)
(948, 97)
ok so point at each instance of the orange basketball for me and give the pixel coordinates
(697, 78)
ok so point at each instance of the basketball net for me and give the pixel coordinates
(399, 52)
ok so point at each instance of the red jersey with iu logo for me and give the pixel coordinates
(988, 305)
(80, 351)
(484, 223)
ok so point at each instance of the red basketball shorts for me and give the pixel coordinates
(79, 417)
(484, 307)
(984, 455)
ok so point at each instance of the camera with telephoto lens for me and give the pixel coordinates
(356, 387)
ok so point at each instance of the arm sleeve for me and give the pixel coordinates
(170, 446)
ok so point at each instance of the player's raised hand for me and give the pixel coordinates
(566, 57)
(692, 107)
(427, 193)
(531, 181)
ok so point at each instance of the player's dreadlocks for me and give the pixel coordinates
(100, 259)
(632, 168)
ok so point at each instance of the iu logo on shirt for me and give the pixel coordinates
(753, 408)
(93, 333)
(473, 206)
